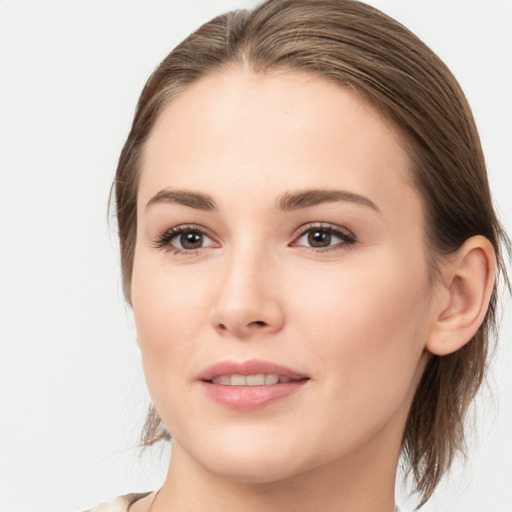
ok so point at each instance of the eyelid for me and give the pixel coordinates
(327, 226)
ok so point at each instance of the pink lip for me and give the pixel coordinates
(249, 398)
(252, 367)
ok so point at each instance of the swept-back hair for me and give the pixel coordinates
(357, 47)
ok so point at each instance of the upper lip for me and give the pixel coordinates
(252, 367)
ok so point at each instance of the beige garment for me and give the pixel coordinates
(119, 504)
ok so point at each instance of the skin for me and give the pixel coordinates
(353, 316)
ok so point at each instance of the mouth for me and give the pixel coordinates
(260, 379)
(250, 385)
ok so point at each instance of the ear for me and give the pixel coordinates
(467, 285)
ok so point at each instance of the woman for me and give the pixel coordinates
(310, 250)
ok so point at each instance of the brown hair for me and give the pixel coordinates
(355, 46)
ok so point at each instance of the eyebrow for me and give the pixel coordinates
(307, 198)
(287, 202)
(195, 200)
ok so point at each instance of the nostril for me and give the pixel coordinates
(259, 322)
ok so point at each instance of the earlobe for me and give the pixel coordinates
(468, 280)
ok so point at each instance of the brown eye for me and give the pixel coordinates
(319, 238)
(325, 237)
(190, 240)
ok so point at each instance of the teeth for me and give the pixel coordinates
(271, 379)
(254, 380)
(238, 380)
(250, 380)
(224, 380)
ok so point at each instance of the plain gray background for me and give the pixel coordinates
(72, 392)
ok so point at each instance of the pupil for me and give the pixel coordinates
(319, 239)
(191, 240)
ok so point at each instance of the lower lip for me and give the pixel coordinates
(250, 398)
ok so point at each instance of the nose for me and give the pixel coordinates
(248, 300)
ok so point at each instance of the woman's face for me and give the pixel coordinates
(278, 235)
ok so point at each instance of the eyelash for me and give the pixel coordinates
(164, 239)
(348, 239)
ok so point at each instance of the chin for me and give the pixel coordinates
(254, 472)
(252, 461)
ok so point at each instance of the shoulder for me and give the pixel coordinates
(119, 504)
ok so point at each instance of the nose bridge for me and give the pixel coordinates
(246, 301)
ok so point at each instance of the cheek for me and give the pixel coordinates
(385, 295)
(366, 335)
(166, 310)
(369, 326)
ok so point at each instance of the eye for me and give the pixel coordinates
(189, 240)
(324, 237)
(183, 239)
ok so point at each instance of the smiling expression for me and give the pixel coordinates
(278, 236)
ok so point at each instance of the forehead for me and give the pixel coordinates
(237, 132)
